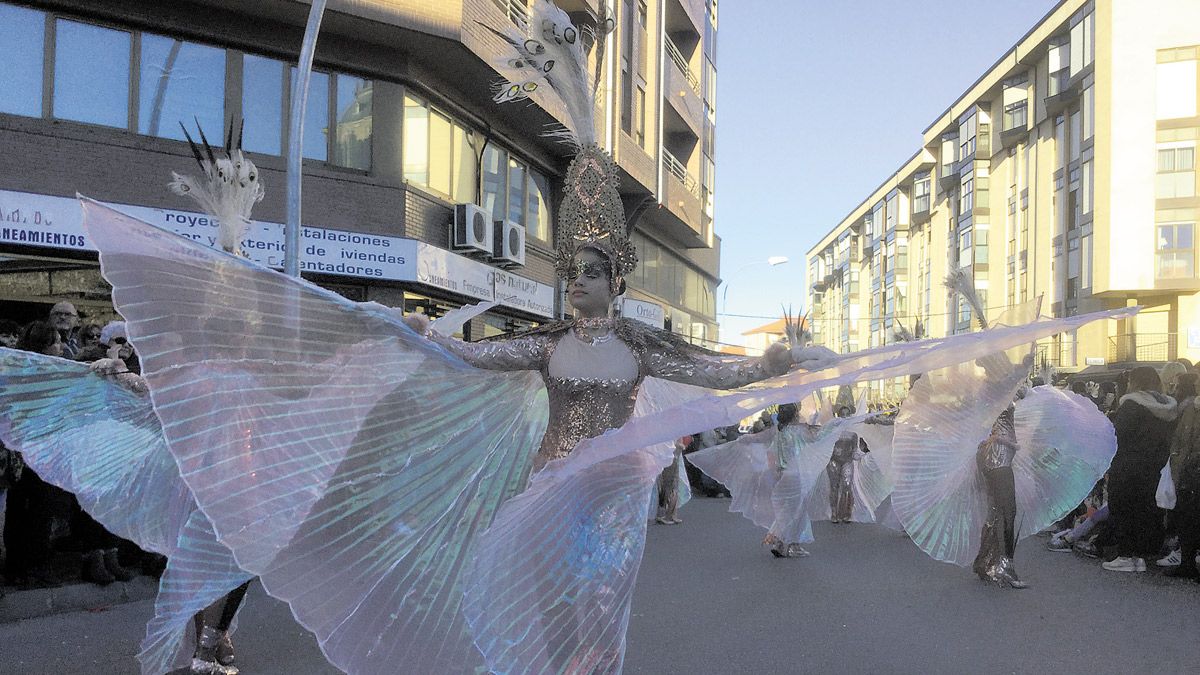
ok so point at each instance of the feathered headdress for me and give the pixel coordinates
(227, 189)
(549, 57)
(962, 282)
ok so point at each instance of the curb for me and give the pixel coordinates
(38, 602)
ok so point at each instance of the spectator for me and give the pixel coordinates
(10, 333)
(1169, 373)
(90, 348)
(35, 509)
(65, 319)
(1144, 424)
(1185, 469)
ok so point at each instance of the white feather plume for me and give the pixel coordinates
(227, 189)
(549, 57)
(962, 282)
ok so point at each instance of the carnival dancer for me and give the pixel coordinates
(326, 439)
(975, 447)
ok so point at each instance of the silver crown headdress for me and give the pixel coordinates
(551, 52)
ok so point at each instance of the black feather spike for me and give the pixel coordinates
(207, 148)
(195, 150)
(241, 128)
(229, 140)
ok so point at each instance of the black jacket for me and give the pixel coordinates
(1144, 424)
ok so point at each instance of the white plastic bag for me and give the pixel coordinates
(1165, 495)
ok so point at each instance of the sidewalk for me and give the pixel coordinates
(19, 604)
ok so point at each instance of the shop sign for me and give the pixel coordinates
(1094, 361)
(647, 312)
(1194, 337)
(442, 269)
(524, 294)
(57, 222)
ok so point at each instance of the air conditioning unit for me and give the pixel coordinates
(472, 229)
(510, 242)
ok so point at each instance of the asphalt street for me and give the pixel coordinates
(710, 599)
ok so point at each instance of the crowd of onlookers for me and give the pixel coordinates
(1146, 513)
(48, 538)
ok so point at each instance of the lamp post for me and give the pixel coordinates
(773, 261)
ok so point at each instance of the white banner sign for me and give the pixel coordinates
(646, 312)
(1194, 337)
(57, 222)
(523, 294)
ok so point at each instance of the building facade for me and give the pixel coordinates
(401, 139)
(1066, 172)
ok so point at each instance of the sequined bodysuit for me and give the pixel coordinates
(998, 540)
(592, 384)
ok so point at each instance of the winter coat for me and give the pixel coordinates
(1185, 443)
(1144, 422)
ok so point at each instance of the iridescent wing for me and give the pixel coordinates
(94, 437)
(346, 460)
(746, 466)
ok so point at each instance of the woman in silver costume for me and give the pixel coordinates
(998, 540)
(847, 449)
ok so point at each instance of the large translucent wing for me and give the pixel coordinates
(553, 577)
(92, 436)
(938, 492)
(1066, 445)
(346, 460)
(199, 572)
(873, 477)
(97, 439)
(656, 395)
(746, 466)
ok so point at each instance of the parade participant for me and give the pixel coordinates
(1041, 453)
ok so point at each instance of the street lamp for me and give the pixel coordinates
(773, 261)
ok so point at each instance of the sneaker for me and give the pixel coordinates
(1123, 564)
(1139, 564)
(1059, 542)
(1172, 559)
(1086, 548)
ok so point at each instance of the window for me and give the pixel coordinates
(316, 116)
(514, 191)
(1082, 39)
(966, 134)
(91, 74)
(1088, 110)
(1176, 89)
(1086, 194)
(921, 194)
(262, 104)
(1076, 134)
(440, 154)
(1016, 102)
(1176, 171)
(23, 34)
(626, 74)
(643, 35)
(1060, 141)
(639, 116)
(1085, 273)
(981, 245)
(966, 199)
(178, 81)
(1175, 255)
(1059, 67)
(353, 110)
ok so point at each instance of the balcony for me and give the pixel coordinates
(1016, 124)
(681, 63)
(681, 194)
(681, 89)
(1144, 347)
(1061, 92)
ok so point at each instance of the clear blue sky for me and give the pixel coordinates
(817, 103)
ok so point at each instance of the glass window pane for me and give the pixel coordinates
(465, 158)
(23, 34)
(179, 81)
(539, 206)
(352, 143)
(1185, 159)
(1166, 160)
(1183, 236)
(416, 141)
(316, 116)
(495, 187)
(262, 105)
(440, 141)
(516, 191)
(91, 74)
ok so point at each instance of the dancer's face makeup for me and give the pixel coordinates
(589, 287)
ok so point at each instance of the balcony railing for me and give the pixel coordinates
(1142, 347)
(682, 64)
(516, 10)
(677, 169)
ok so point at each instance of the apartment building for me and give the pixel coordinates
(1066, 171)
(402, 140)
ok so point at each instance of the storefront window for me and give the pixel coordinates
(262, 105)
(23, 34)
(178, 82)
(91, 74)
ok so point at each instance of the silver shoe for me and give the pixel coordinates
(212, 647)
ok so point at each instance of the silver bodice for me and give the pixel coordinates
(1000, 447)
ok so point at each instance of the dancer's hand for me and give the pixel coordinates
(418, 322)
